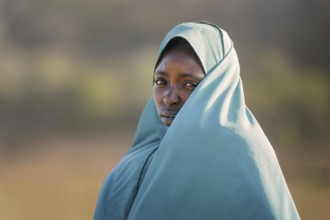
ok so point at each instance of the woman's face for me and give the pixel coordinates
(175, 78)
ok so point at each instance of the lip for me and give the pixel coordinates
(167, 117)
(170, 115)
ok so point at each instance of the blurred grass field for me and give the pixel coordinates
(60, 183)
(70, 71)
(63, 182)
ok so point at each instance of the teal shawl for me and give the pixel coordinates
(213, 162)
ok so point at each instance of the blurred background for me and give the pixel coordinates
(76, 74)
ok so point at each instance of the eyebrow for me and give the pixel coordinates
(181, 75)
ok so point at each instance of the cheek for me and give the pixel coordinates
(156, 93)
(185, 95)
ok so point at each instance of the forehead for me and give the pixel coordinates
(179, 64)
(179, 44)
(181, 56)
(178, 58)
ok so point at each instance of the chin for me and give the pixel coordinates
(166, 122)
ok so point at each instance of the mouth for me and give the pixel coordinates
(171, 116)
(168, 117)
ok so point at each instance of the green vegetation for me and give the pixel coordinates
(73, 66)
(291, 101)
(75, 75)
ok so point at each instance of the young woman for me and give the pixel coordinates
(198, 152)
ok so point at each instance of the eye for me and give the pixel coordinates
(191, 84)
(160, 82)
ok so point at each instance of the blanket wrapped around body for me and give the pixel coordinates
(213, 162)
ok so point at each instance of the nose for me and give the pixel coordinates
(171, 96)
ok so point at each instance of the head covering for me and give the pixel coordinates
(213, 162)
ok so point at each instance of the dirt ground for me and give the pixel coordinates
(61, 178)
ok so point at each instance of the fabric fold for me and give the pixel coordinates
(213, 162)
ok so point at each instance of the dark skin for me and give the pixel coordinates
(175, 78)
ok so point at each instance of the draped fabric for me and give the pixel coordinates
(213, 162)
